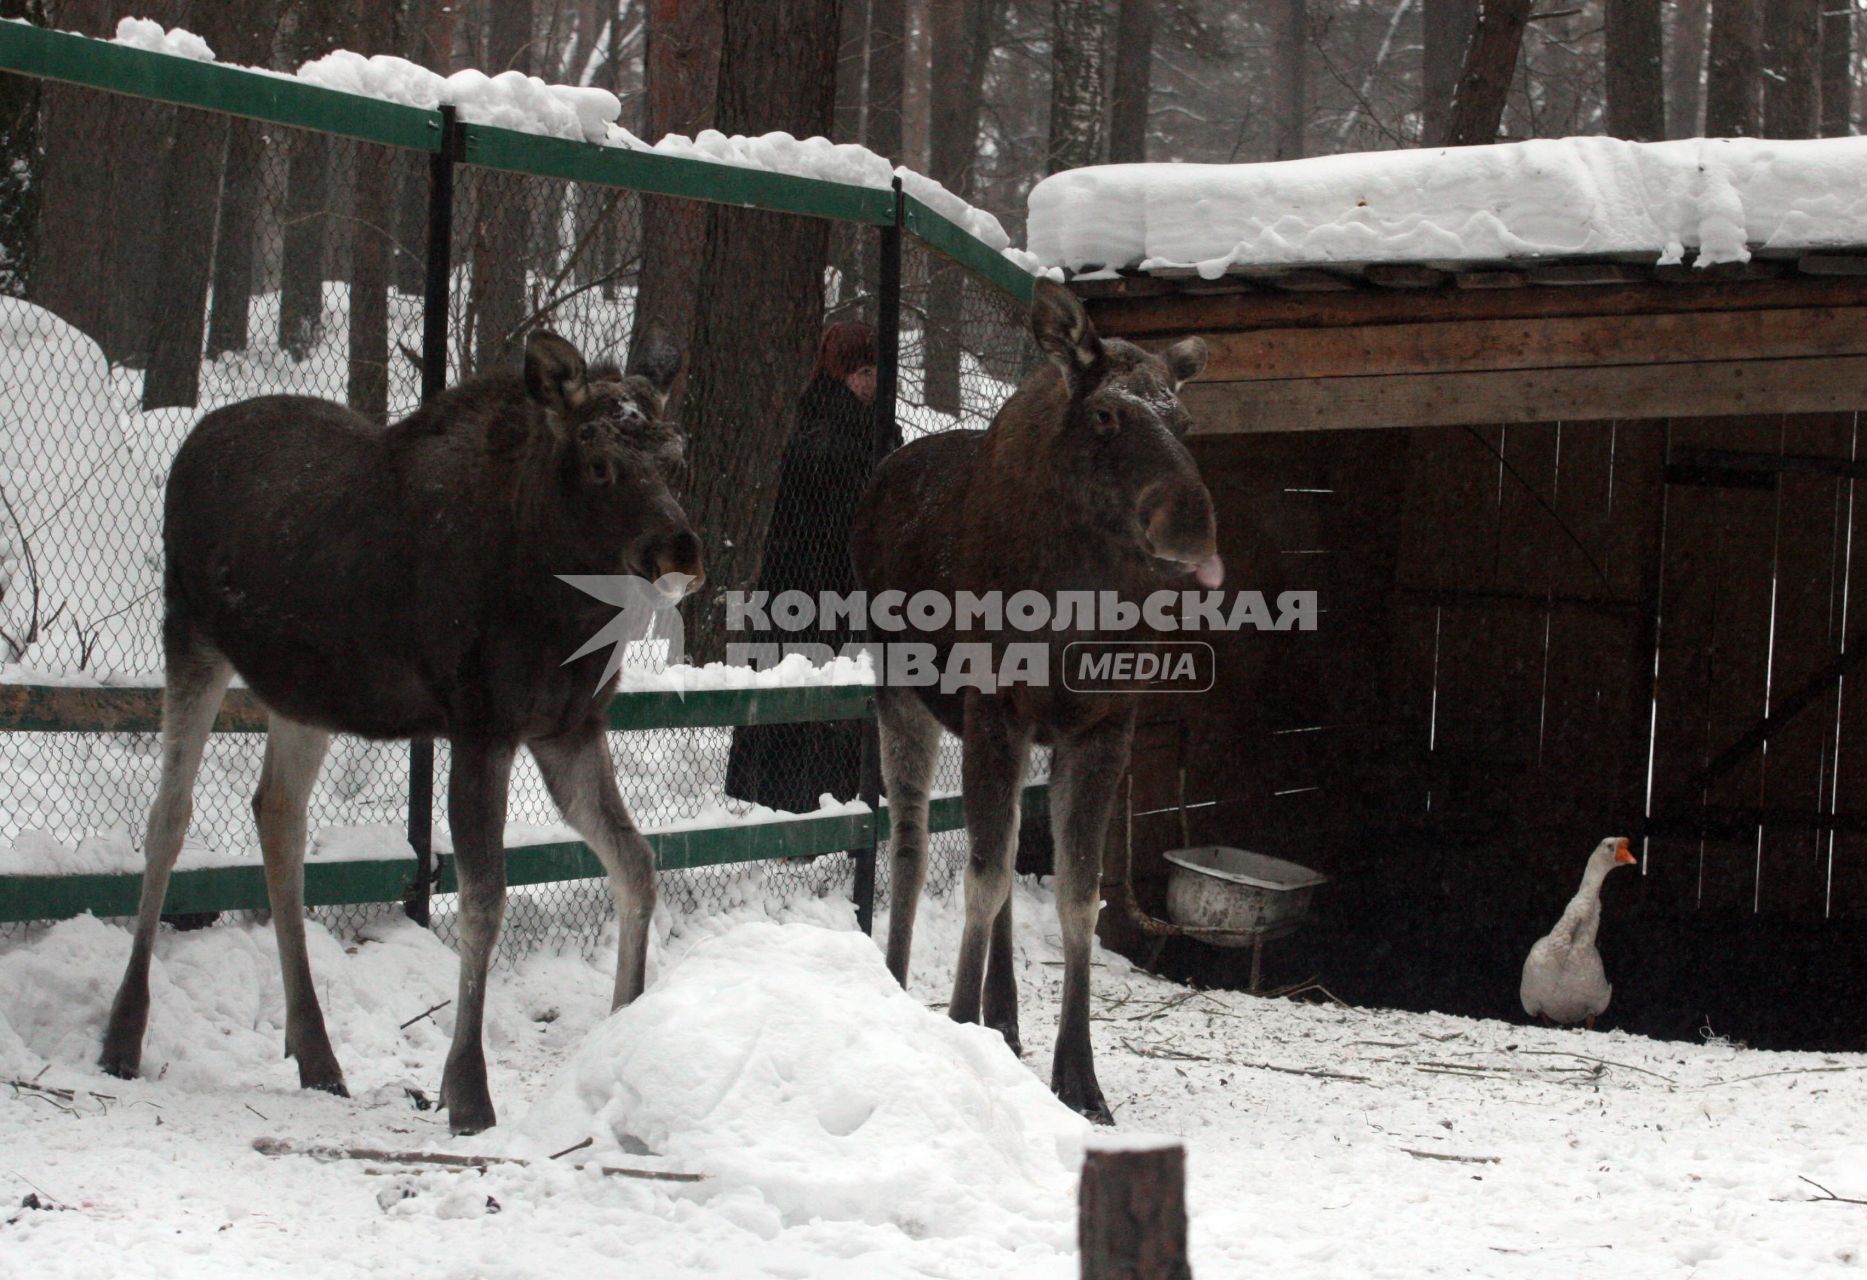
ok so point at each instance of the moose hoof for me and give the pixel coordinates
(124, 1064)
(326, 1079)
(1010, 1032)
(468, 1102)
(1084, 1097)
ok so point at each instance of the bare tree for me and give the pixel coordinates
(681, 61)
(1731, 70)
(320, 27)
(1078, 84)
(1490, 62)
(1685, 68)
(753, 343)
(962, 34)
(387, 26)
(1792, 86)
(500, 247)
(1445, 30)
(1289, 78)
(1134, 60)
(852, 72)
(431, 44)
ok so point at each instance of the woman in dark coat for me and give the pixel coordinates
(826, 467)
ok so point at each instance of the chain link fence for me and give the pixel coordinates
(159, 261)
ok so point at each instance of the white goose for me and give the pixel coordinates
(1563, 980)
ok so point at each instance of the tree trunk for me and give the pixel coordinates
(1837, 71)
(307, 195)
(1289, 83)
(19, 161)
(192, 168)
(962, 35)
(1131, 1214)
(1731, 70)
(1685, 69)
(248, 42)
(888, 49)
(432, 46)
(501, 248)
(1636, 86)
(1490, 62)
(760, 308)
(1446, 30)
(383, 26)
(681, 70)
(1078, 85)
(1792, 85)
(1133, 85)
(852, 72)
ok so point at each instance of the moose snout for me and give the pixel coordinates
(1178, 525)
(675, 552)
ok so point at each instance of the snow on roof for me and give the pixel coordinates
(581, 113)
(1599, 197)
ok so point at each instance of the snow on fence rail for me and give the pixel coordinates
(683, 733)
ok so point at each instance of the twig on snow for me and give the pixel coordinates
(1443, 1155)
(445, 1159)
(1180, 1055)
(425, 1013)
(1826, 1194)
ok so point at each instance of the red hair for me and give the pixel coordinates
(846, 347)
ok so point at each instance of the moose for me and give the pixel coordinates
(402, 582)
(1082, 483)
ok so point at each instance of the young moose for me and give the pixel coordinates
(1081, 484)
(402, 582)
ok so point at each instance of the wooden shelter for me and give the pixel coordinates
(1584, 535)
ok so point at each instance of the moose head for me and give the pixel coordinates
(1119, 441)
(616, 453)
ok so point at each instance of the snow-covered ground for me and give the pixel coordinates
(849, 1131)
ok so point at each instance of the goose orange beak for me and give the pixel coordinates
(1623, 853)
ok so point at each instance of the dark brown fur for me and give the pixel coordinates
(401, 582)
(1081, 484)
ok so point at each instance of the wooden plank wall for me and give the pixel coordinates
(1484, 675)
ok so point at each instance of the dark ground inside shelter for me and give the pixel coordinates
(1434, 927)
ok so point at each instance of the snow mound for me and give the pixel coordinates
(141, 33)
(1549, 197)
(785, 1059)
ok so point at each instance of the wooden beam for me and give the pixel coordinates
(1469, 346)
(1176, 315)
(1705, 389)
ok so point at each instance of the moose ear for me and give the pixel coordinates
(1062, 328)
(1185, 359)
(656, 358)
(554, 372)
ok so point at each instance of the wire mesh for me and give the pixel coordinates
(157, 262)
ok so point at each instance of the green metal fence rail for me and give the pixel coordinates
(356, 881)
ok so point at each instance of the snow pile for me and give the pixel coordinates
(141, 33)
(792, 671)
(785, 1059)
(1551, 197)
(509, 100)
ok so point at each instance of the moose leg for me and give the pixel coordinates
(582, 782)
(1084, 777)
(910, 742)
(197, 677)
(991, 774)
(476, 816)
(294, 753)
(1001, 980)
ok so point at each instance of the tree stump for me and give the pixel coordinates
(1131, 1216)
